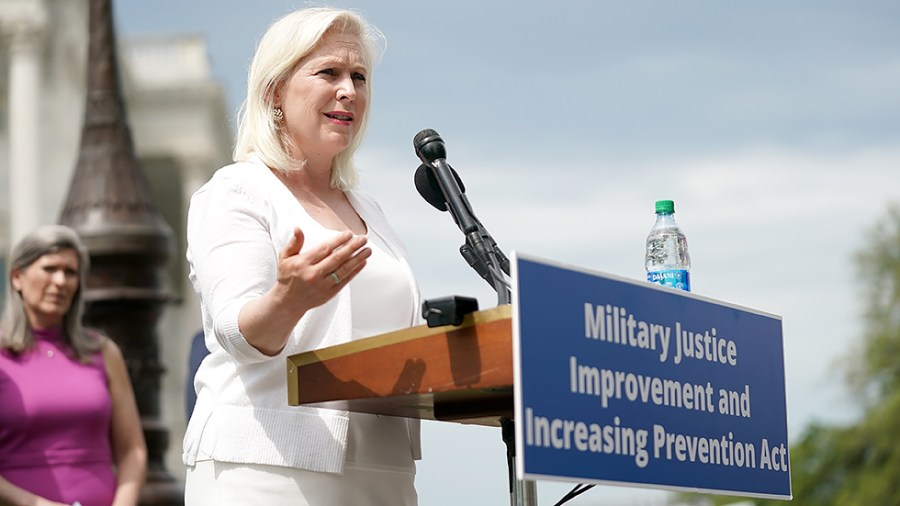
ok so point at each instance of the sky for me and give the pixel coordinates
(774, 126)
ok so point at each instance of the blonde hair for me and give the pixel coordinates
(15, 329)
(283, 45)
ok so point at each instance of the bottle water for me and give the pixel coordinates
(667, 261)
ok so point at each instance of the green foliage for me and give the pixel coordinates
(859, 465)
(879, 268)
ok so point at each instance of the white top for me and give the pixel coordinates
(379, 293)
(237, 224)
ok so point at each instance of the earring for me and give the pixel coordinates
(278, 114)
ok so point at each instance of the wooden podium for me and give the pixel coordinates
(460, 374)
(452, 373)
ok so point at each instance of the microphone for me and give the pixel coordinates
(429, 188)
(441, 187)
(431, 150)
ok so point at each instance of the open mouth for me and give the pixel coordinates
(339, 117)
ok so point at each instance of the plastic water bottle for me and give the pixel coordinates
(667, 261)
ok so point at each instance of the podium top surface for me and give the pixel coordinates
(451, 373)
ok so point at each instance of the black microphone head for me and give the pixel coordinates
(429, 146)
(429, 188)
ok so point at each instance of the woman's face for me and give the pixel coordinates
(47, 287)
(325, 98)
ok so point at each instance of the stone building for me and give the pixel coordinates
(181, 128)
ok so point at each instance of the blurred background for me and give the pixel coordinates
(775, 128)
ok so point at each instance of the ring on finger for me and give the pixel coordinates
(336, 278)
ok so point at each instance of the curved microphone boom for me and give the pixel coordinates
(439, 184)
(428, 187)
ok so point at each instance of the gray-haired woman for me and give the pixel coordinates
(69, 426)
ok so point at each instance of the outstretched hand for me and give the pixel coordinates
(304, 281)
(311, 278)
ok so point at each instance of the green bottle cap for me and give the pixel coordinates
(665, 207)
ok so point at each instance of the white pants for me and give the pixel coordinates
(213, 483)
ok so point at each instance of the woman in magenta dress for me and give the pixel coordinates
(69, 426)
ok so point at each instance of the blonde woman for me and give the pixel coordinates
(287, 254)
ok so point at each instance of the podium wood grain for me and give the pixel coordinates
(453, 373)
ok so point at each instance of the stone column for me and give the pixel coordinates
(24, 24)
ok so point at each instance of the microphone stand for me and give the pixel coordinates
(489, 262)
(487, 259)
(492, 265)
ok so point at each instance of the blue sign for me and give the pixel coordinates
(630, 383)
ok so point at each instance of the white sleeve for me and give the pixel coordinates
(232, 257)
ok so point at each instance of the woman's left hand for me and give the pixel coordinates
(305, 280)
(311, 278)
